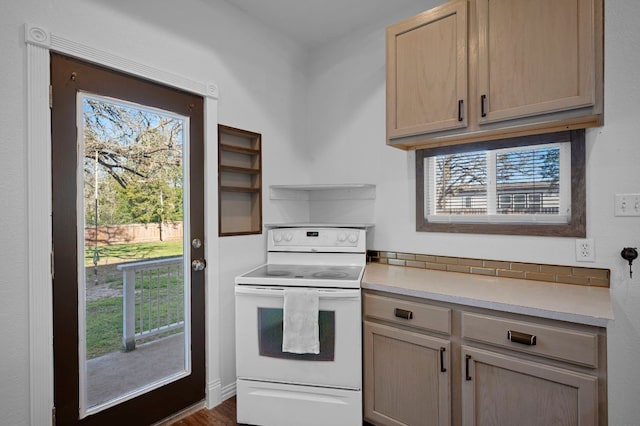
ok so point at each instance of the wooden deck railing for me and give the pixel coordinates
(153, 299)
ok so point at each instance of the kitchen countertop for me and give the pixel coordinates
(564, 302)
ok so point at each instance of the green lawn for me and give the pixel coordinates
(104, 316)
(104, 326)
(118, 253)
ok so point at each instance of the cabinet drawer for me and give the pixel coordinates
(579, 347)
(419, 315)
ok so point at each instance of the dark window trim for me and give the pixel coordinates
(577, 226)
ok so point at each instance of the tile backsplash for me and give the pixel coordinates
(499, 268)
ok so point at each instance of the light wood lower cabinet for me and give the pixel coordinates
(501, 368)
(499, 389)
(407, 377)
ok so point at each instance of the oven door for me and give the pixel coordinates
(259, 353)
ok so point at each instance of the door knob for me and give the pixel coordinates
(198, 265)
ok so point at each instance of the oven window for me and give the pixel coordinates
(270, 335)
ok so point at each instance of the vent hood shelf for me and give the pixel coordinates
(323, 192)
(341, 205)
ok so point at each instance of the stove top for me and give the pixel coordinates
(311, 257)
(320, 276)
(307, 272)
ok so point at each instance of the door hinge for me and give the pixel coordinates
(50, 96)
(52, 270)
(53, 415)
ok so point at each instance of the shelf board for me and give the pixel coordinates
(239, 149)
(234, 233)
(323, 192)
(239, 189)
(355, 225)
(234, 169)
(323, 187)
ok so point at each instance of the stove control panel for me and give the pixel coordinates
(317, 239)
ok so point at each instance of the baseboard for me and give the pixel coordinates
(216, 394)
(228, 391)
(213, 397)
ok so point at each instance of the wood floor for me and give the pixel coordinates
(222, 415)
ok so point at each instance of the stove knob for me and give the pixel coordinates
(342, 237)
(288, 236)
(353, 238)
(277, 237)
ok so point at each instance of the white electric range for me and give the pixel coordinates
(280, 388)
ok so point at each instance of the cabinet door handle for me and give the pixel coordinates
(483, 101)
(402, 313)
(523, 338)
(467, 359)
(442, 367)
(460, 105)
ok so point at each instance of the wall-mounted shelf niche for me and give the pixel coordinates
(335, 204)
(239, 181)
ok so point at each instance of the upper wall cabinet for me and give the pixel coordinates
(534, 57)
(427, 72)
(523, 68)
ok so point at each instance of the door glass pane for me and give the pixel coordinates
(134, 288)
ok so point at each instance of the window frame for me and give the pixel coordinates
(576, 226)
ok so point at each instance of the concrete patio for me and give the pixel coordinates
(118, 373)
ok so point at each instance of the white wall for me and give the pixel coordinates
(261, 78)
(326, 126)
(347, 93)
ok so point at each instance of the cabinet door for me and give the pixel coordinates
(503, 390)
(406, 377)
(427, 72)
(534, 57)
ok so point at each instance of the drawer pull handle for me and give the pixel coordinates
(523, 338)
(403, 313)
(442, 367)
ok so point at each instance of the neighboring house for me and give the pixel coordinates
(525, 198)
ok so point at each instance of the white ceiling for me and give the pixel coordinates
(314, 22)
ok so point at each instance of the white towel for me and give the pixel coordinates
(300, 331)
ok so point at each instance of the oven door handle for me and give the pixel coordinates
(279, 292)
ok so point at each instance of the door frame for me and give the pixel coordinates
(40, 42)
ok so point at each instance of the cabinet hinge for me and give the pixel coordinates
(50, 96)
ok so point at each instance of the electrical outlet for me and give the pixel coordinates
(585, 250)
(627, 205)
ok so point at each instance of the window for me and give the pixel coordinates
(531, 185)
(270, 336)
(505, 201)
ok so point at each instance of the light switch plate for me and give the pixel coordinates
(627, 205)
